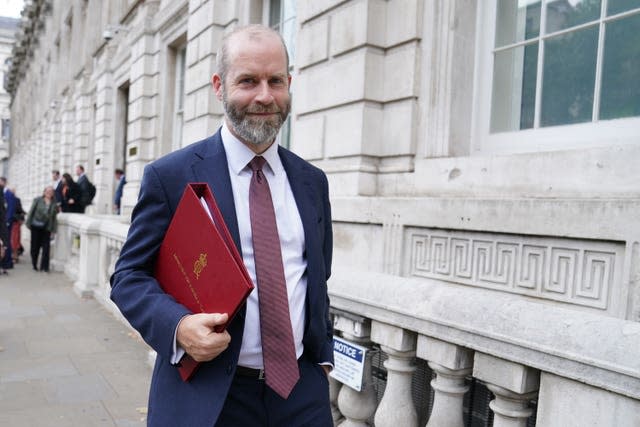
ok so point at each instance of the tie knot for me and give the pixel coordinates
(257, 163)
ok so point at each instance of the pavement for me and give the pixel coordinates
(65, 360)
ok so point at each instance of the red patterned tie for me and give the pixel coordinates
(278, 350)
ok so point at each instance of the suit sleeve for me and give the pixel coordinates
(135, 291)
(327, 250)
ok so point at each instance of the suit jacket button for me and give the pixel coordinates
(229, 369)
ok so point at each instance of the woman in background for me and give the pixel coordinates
(70, 194)
(42, 223)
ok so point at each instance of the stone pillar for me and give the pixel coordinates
(396, 407)
(208, 21)
(347, 125)
(357, 407)
(514, 385)
(104, 143)
(451, 363)
(81, 132)
(87, 279)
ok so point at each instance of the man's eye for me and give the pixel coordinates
(247, 81)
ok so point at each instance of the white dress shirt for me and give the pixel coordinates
(292, 244)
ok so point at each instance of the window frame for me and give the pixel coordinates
(179, 96)
(284, 135)
(596, 133)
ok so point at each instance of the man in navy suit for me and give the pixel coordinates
(229, 389)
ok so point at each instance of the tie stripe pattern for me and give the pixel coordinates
(278, 350)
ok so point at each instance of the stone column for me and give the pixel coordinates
(451, 363)
(87, 279)
(356, 406)
(514, 385)
(396, 407)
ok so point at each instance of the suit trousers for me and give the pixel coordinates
(7, 261)
(251, 402)
(40, 238)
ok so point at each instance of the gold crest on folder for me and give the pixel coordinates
(199, 265)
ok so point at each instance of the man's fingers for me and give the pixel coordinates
(196, 335)
(215, 319)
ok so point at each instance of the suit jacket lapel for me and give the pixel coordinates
(211, 167)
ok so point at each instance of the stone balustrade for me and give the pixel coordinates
(520, 348)
(503, 341)
(86, 248)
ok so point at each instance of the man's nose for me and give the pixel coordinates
(264, 95)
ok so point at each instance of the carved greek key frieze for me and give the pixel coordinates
(574, 271)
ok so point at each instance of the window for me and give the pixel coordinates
(178, 109)
(282, 18)
(553, 63)
(6, 129)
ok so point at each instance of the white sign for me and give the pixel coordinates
(349, 363)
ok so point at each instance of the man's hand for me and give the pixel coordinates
(197, 337)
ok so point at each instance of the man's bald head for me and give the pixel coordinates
(254, 32)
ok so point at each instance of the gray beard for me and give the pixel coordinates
(257, 131)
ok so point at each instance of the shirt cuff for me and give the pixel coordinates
(178, 352)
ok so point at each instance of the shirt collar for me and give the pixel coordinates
(239, 155)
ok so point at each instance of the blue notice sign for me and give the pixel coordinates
(349, 363)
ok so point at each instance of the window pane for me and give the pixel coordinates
(620, 93)
(289, 9)
(617, 6)
(288, 30)
(274, 12)
(568, 78)
(517, 21)
(514, 88)
(563, 14)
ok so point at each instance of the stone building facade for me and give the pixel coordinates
(8, 27)
(482, 158)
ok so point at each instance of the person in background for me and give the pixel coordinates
(43, 224)
(19, 217)
(117, 198)
(9, 218)
(57, 186)
(70, 195)
(4, 233)
(84, 185)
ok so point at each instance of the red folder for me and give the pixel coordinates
(199, 264)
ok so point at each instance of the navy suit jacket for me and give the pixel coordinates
(155, 314)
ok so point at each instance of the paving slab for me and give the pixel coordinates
(65, 360)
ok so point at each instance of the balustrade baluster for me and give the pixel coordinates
(451, 363)
(396, 407)
(356, 407)
(514, 385)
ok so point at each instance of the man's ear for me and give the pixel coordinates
(216, 82)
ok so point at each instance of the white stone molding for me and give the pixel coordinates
(392, 245)
(574, 271)
(396, 407)
(451, 363)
